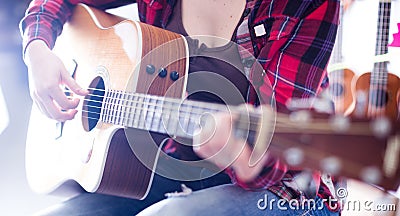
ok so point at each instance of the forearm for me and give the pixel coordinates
(44, 19)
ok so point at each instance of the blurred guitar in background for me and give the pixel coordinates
(376, 91)
(341, 78)
(396, 43)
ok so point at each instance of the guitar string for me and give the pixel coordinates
(149, 97)
(339, 75)
(384, 40)
(285, 124)
(182, 116)
(377, 95)
(143, 102)
(138, 109)
(154, 110)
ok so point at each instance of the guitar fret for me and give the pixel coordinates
(184, 118)
(181, 120)
(103, 107)
(118, 108)
(139, 106)
(159, 115)
(150, 113)
(124, 111)
(132, 105)
(165, 116)
(173, 120)
(144, 113)
(194, 120)
(110, 110)
(132, 109)
(114, 107)
(128, 109)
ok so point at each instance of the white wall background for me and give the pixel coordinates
(359, 36)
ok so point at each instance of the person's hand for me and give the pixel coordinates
(47, 74)
(215, 142)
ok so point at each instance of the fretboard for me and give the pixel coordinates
(176, 117)
(379, 73)
(337, 56)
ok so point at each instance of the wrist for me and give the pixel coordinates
(34, 50)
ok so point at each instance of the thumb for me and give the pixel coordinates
(72, 84)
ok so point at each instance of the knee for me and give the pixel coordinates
(175, 206)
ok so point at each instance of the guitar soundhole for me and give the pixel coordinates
(92, 104)
(336, 89)
(378, 97)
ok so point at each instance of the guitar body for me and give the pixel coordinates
(130, 70)
(341, 88)
(378, 100)
(376, 90)
(109, 53)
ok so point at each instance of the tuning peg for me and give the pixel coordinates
(303, 117)
(381, 127)
(371, 175)
(340, 123)
(293, 156)
(331, 165)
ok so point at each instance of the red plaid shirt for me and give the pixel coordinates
(294, 46)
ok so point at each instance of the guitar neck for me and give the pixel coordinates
(379, 73)
(383, 25)
(170, 116)
(337, 53)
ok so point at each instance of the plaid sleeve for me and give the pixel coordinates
(274, 170)
(295, 65)
(44, 19)
(294, 55)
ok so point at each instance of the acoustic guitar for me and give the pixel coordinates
(114, 144)
(341, 78)
(376, 91)
(396, 43)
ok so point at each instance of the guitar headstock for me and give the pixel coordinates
(363, 149)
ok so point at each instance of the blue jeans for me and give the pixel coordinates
(207, 199)
(232, 200)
